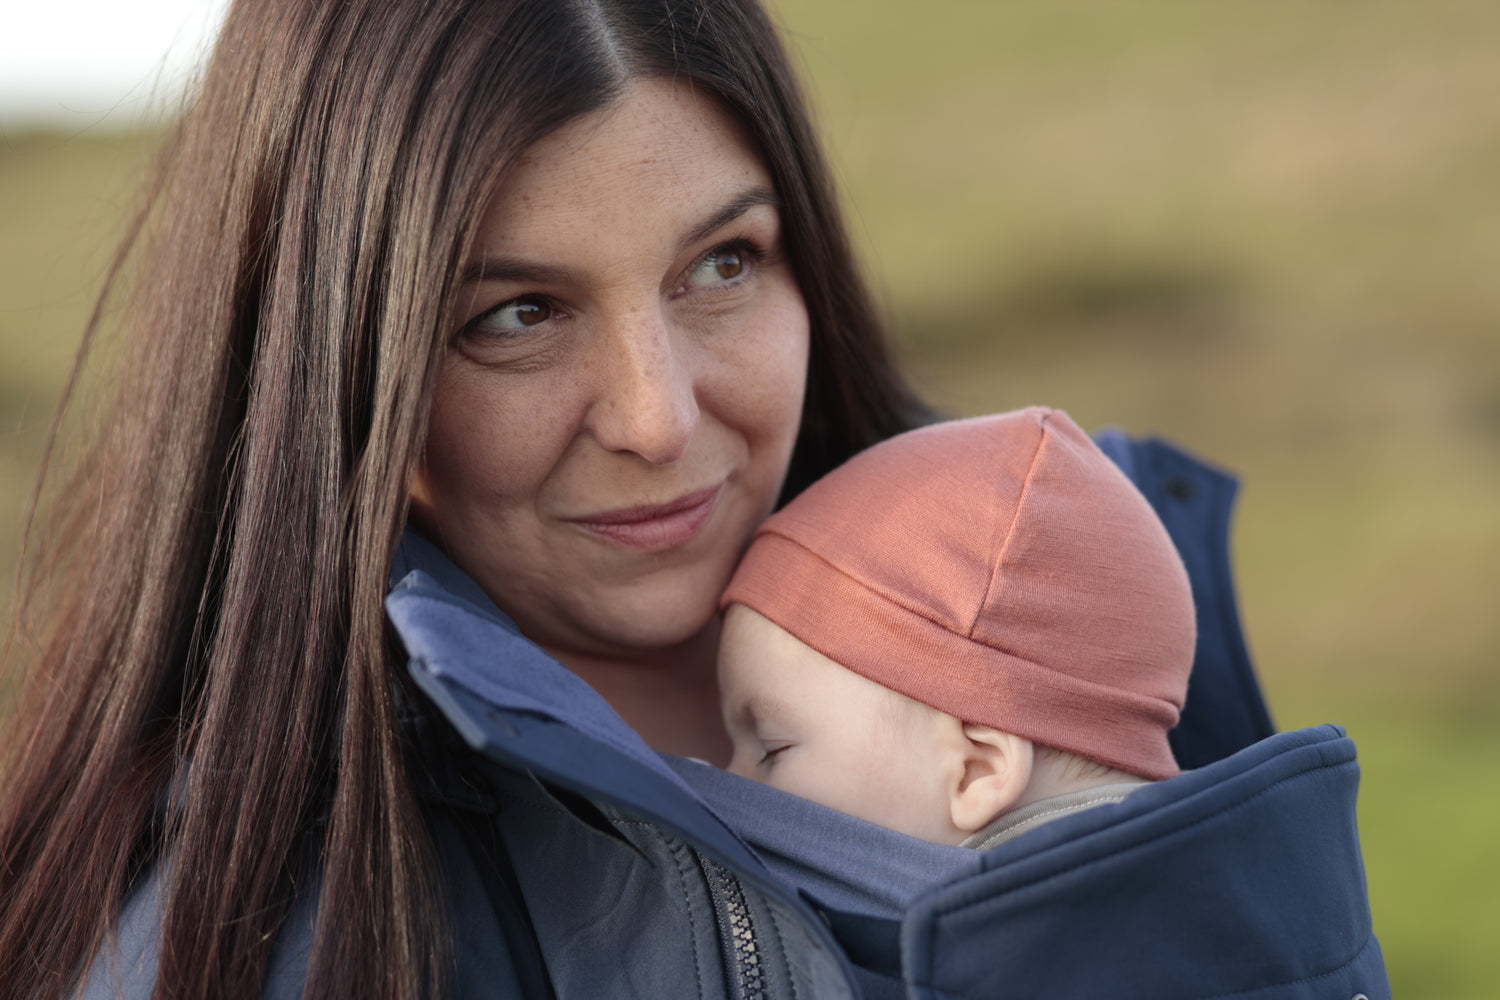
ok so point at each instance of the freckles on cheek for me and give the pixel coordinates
(472, 440)
(768, 374)
(792, 346)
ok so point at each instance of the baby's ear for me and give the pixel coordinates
(996, 770)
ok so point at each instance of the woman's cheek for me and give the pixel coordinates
(771, 363)
(490, 435)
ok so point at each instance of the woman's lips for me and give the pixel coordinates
(658, 527)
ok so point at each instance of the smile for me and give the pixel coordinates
(658, 527)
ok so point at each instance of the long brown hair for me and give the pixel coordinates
(211, 689)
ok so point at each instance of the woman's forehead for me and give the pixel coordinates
(660, 156)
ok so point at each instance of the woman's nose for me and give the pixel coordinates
(647, 404)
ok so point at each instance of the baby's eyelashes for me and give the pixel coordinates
(772, 749)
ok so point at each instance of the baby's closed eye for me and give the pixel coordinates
(772, 749)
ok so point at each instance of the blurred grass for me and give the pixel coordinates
(64, 199)
(1268, 231)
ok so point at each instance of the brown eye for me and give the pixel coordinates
(531, 313)
(729, 264)
(517, 314)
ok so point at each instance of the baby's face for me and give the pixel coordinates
(803, 723)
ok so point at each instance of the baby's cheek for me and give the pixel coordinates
(741, 762)
(802, 775)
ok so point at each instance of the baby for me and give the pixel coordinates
(963, 632)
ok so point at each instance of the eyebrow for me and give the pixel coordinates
(759, 706)
(514, 269)
(752, 198)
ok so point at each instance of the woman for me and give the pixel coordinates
(217, 684)
(564, 286)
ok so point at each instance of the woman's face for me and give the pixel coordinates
(618, 409)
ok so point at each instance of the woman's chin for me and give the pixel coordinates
(641, 624)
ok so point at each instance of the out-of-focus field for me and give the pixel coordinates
(1268, 231)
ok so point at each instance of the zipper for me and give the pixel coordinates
(742, 952)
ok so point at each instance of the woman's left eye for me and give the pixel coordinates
(730, 262)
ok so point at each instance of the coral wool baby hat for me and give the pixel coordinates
(1001, 569)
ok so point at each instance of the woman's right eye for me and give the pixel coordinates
(512, 316)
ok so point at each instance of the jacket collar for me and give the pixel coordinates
(450, 625)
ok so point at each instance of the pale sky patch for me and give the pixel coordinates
(87, 62)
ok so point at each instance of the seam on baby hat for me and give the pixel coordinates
(1010, 532)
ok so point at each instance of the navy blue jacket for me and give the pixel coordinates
(582, 864)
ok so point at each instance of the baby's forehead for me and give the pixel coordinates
(766, 672)
(761, 674)
(748, 631)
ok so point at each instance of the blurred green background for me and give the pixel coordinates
(1267, 231)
